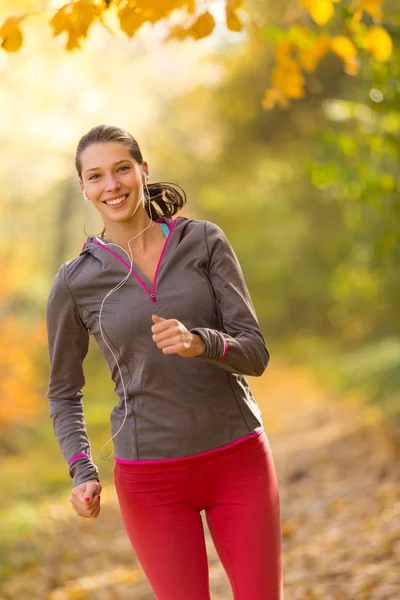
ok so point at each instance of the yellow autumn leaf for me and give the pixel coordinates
(58, 22)
(290, 82)
(11, 34)
(379, 43)
(321, 11)
(284, 54)
(190, 5)
(9, 26)
(352, 66)
(269, 100)
(371, 7)
(155, 11)
(202, 27)
(289, 528)
(84, 13)
(232, 20)
(343, 47)
(177, 33)
(73, 41)
(75, 18)
(310, 56)
(282, 101)
(130, 20)
(274, 97)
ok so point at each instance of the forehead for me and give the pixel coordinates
(103, 155)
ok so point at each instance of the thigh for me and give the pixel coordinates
(166, 532)
(244, 520)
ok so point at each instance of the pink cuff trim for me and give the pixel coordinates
(225, 349)
(80, 455)
(258, 431)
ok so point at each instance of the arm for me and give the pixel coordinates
(239, 346)
(68, 341)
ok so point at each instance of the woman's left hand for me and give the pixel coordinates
(172, 337)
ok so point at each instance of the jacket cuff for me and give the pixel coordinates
(215, 344)
(83, 469)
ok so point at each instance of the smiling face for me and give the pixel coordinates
(113, 181)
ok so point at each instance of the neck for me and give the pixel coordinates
(135, 236)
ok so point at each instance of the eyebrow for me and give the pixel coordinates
(117, 163)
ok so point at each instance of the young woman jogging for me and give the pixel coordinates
(166, 301)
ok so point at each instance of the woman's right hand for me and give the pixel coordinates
(85, 499)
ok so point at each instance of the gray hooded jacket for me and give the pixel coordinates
(176, 407)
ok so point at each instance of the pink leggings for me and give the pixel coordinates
(237, 489)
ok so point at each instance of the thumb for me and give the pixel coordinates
(90, 490)
(157, 319)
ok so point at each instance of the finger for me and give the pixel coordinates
(91, 506)
(94, 510)
(175, 349)
(160, 327)
(89, 491)
(88, 505)
(165, 324)
(170, 334)
(86, 513)
(167, 329)
(159, 337)
(172, 341)
(157, 318)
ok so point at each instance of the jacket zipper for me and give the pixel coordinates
(151, 293)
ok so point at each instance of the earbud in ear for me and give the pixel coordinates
(84, 195)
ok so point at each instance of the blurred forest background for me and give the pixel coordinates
(308, 195)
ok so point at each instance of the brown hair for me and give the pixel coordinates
(165, 198)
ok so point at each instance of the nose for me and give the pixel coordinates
(111, 183)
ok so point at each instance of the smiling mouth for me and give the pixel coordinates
(117, 201)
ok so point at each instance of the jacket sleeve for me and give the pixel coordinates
(238, 346)
(68, 341)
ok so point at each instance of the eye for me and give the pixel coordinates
(93, 176)
(123, 167)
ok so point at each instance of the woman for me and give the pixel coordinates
(166, 301)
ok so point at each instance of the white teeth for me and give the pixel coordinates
(117, 200)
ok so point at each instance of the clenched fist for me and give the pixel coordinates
(172, 337)
(85, 499)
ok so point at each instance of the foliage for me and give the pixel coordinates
(77, 17)
(21, 387)
(355, 166)
(299, 45)
(341, 29)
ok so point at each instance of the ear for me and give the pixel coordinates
(145, 170)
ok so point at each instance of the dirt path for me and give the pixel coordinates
(340, 499)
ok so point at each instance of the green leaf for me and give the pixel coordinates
(274, 34)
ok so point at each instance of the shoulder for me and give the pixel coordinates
(79, 265)
(70, 272)
(200, 227)
(206, 233)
